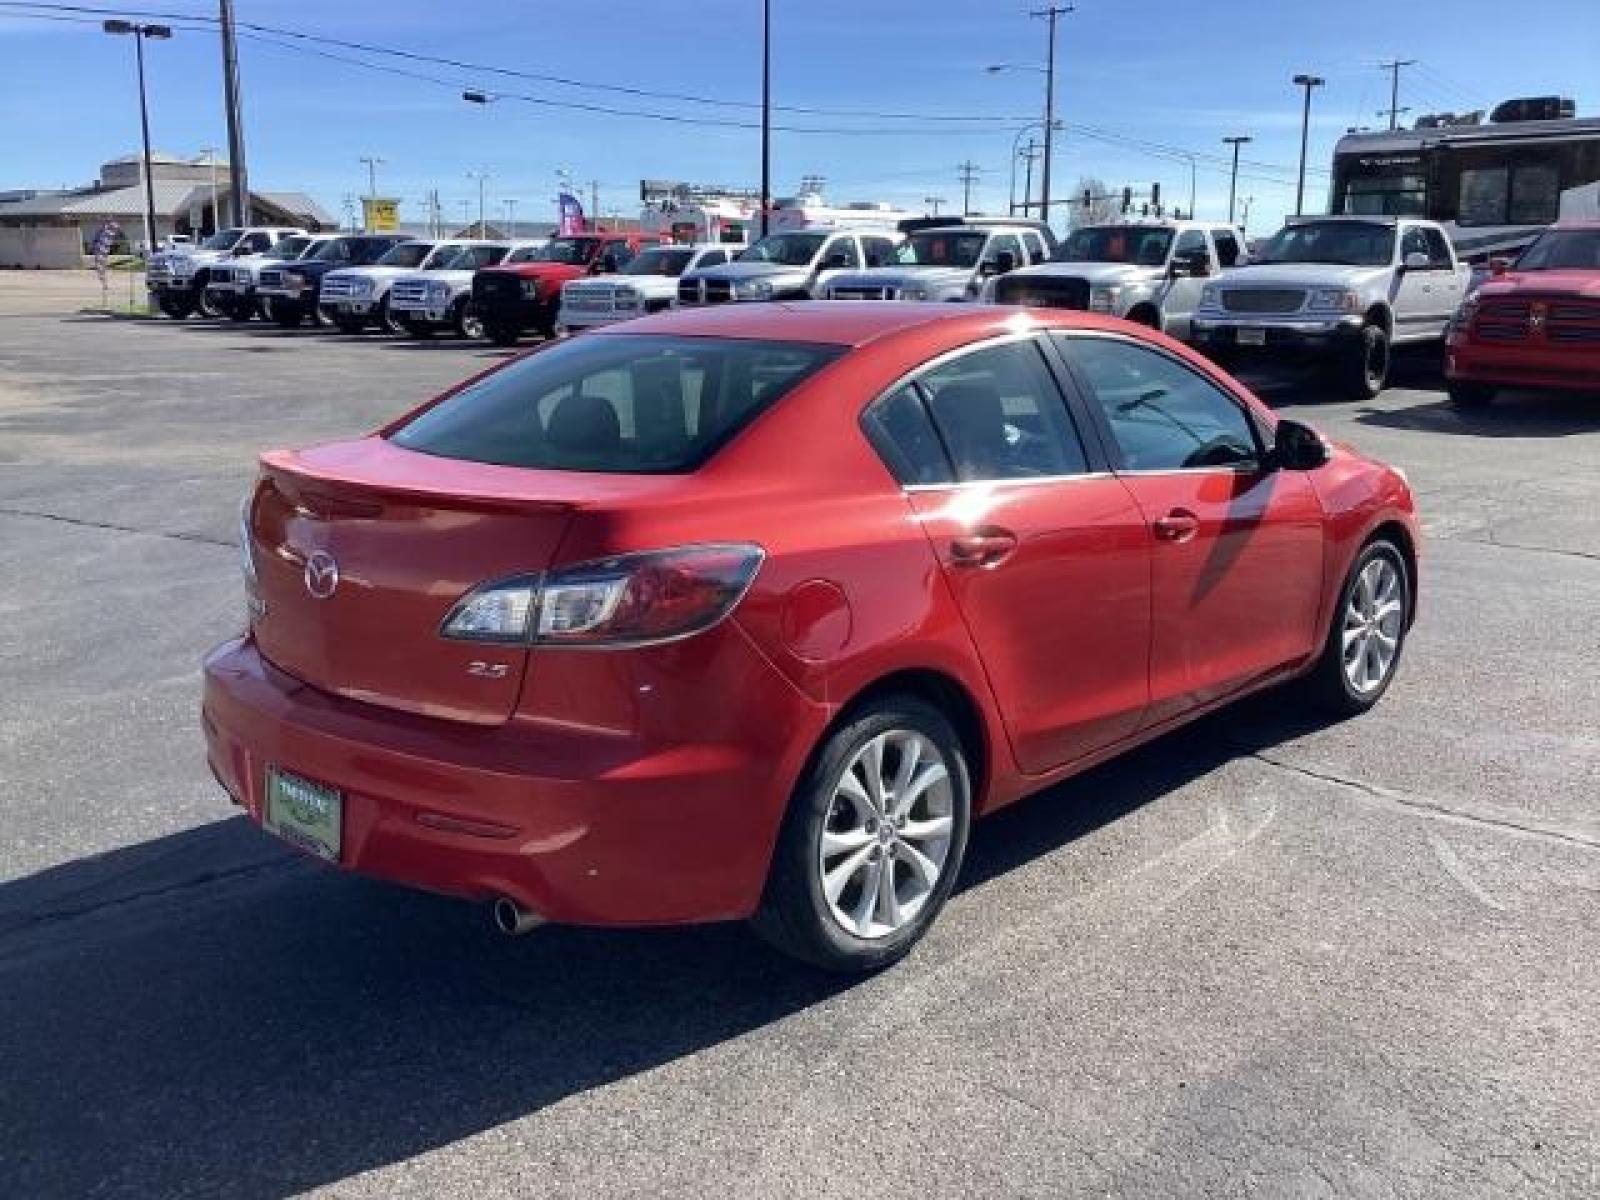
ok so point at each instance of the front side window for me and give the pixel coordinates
(289, 249)
(222, 239)
(660, 261)
(1003, 243)
(256, 243)
(470, 258)
(1163, 415)
(841, 254)
(880, 251)
(1191, 242)
(572, 251)
(1535, 195)
(711, 258)
(628, 404)
(1036, 248)
(1438, 249)
(1000, 415)
(1412, 242)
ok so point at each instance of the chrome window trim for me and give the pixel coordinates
(1016, 481)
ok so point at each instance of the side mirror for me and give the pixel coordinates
(1005, 262)
(1417, 261)
(1499, 266)
(836, 261)
(1297, 447)
(1196, 265)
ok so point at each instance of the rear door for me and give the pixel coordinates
(1047, 556)
(359, 565)
(1236, 573)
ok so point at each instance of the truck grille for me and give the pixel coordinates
(496, 285)
(1263, 300)
(1565, 322)
(864, 291)
(601, 299)
(334, 288)
(1043, 291)
(409, 293)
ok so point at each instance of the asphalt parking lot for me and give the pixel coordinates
(1261, 957)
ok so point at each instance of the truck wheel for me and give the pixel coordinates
(1364, 364)
(241, 310)
(207, 305)
(467, 322)
(415, 329)
(385, 320)
(1470, 395)
(499, 334)
(176, 307)
(284, 314)
(350, 324)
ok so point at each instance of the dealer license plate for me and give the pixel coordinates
(1252, 337)
(304, 814)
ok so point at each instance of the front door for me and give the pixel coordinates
(1048, 559)
(1236, 574)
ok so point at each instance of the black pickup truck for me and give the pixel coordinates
(289, 292)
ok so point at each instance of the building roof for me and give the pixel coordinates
(162, 158)
(172, 196)
(298, 204)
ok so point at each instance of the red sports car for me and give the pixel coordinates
(1536, 325)
(746, 612)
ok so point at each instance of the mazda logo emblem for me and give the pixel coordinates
(321, 575)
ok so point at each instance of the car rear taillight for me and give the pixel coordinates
(628, 600)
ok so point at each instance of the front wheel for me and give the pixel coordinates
(1368, 632)
(207, 303)
(1364, 364)
(176, 307)
(1470, 395)
(347, 324)
(386, 320)
(467, 322)
(873, 840)
(241, 310)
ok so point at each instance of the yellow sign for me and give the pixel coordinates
(380, 216)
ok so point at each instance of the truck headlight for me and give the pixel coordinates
(361, 287)
(1104, 299)
(913, 292)
(1334, 300)
(438, 291)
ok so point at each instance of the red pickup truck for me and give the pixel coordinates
(1535, 324)
(527, 295)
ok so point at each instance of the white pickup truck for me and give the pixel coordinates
(647, 284)
(439, 296)
(233, 288)
(1341, 288)
(177, 279)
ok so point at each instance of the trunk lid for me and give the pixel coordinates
(362, 548)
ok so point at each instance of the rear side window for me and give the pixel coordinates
(1000, 415)
(901, 431)
(615, 403)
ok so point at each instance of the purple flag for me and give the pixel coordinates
(571, 215)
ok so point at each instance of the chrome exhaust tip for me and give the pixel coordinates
(511, 919)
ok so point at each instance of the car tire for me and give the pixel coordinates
(467, 322)
(386, 321)
(241, 310)
(1364, 364)
(350, 324)
(206, 306)
(1470, 395)
(415, 329)
(284, 315)
(176, 308)
(1344, 686)
(851, 917)
(500, 335)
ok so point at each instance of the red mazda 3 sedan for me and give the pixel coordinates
(746, 612)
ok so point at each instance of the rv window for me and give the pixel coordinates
(1535, 195)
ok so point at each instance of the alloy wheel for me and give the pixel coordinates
(1373, 617)
(887, 837)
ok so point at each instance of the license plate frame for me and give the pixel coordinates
(1252, 336)
(306, 814)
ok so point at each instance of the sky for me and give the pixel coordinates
(1144, 87)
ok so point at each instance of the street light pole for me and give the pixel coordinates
(1236, 140)
(238, 181)
(373, 163)
(140, 32)
(482, 177)
(766, 112)
(1050, 14)
(511, 217)
(1308, 82)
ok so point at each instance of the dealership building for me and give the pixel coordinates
(56, 227)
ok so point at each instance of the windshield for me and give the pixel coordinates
(623, 403)
(1563, 250)
(222, 239)
(572, 251)
(338, 250)
(1345, 243)
(466, 258)
(941, 248)
(525, 254)
(406, 254)
(289, 248)
(790, 249)
(1139, 245)
(659, 262)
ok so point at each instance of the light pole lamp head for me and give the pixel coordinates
(117, 26)
(158, 31)
(1309, 81)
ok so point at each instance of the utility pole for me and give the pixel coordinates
(511, 217)
(1394, 110)
(373, 163)
(933, 202)
(216, 211)
(238, 179)
(1244, 217)
(1050, 15)
(1308, 82)
(967, 173)
(1236, 140)
(466, 214)
(594, 203)
(766, 112)
(1028, 157)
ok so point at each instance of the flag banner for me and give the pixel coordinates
(571, 215)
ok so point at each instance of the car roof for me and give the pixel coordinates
(854, 324)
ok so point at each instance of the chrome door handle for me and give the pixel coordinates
(1179, 525)
(983, 548)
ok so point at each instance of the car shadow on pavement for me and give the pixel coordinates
(1413, 368)
(1512, 414)
(210, 1013)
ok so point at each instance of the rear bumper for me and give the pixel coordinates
(1520, 366)
(580, 825)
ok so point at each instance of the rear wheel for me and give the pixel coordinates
(873, 840)
(1470, 395)
(1368, 631)
(1364, 364)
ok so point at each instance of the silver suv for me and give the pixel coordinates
(1145, 271)
(793, 265)
(947, 258)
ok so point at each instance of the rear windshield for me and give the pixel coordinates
(615, 403)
